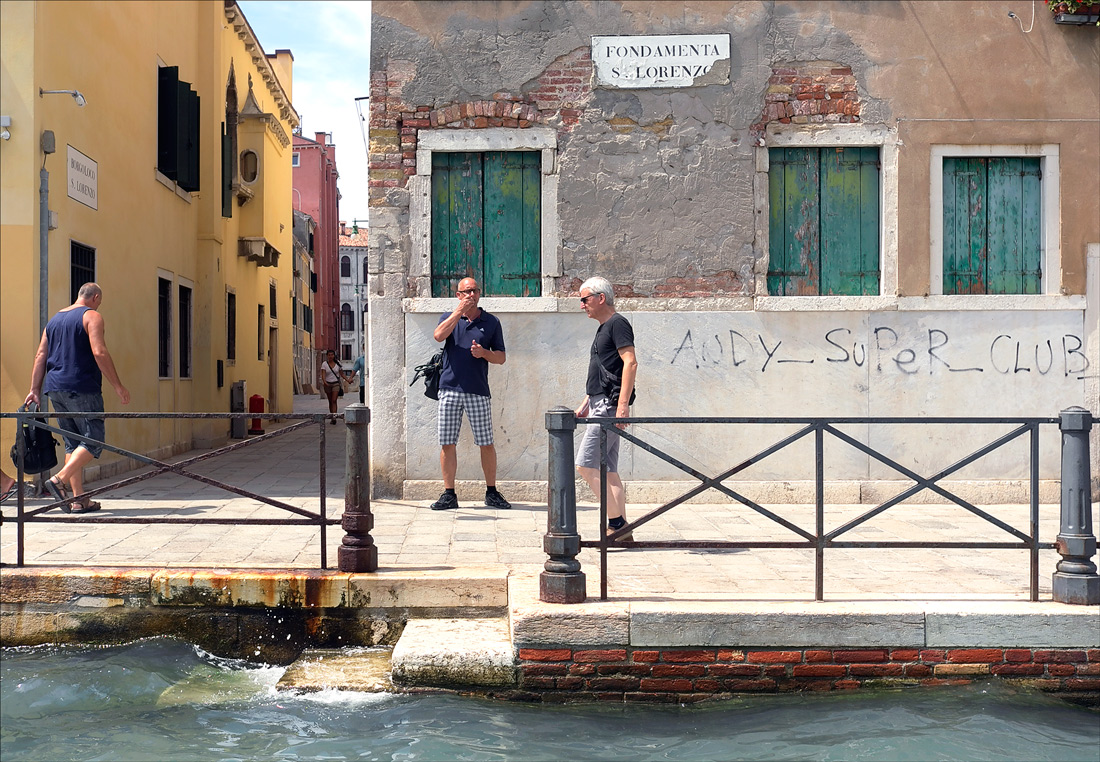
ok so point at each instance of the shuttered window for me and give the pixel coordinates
(824, 221)
(992, 225)
(177, 129)
(486, 222)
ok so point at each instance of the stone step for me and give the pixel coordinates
(366, 670)
(455, 653)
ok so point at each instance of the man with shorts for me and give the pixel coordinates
(72, 360)
(472, 339)
(612, 369)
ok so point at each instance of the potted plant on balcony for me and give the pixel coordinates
(1075, 11)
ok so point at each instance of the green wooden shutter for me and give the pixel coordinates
(457, 249)
(823, 221)
(793, 180)
(227, 174)
(992, 226)
(512, 224)
(168, 120)
(188, 138)
(486, 222)
(849, 221)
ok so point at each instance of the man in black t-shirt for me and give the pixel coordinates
(609, 389)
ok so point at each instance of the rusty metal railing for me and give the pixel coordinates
(39, 514)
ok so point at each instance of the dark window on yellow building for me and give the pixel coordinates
(231, 326)
(81, 267)
(177, 129)
(164, 327)
(185, 332)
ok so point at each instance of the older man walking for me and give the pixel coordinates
(473, 339)
(72, 360)
(609, 388)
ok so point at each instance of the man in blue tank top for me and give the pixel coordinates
(472, 338)
(72, 360)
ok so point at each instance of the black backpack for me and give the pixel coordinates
(40, 454)
(430, 372)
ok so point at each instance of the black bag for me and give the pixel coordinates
(40, 454)
(612, 386)
(430, 372)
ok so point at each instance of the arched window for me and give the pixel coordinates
(345, 267)
(347, 319)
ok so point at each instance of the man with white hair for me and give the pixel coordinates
(609, 389)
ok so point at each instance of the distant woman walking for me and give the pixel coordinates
(331, 373)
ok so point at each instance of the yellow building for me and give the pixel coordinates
(168, 153)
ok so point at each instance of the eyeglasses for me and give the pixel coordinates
(468, 291)
(584, 299)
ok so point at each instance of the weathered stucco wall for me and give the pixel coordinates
(664, 192)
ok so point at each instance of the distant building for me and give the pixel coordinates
(316, 194)
(168, 153)
(353, 290)
(305, 286)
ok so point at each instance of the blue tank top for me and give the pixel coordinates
(70, 364)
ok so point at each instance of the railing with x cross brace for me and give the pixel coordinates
(562, 582)
(38, 515)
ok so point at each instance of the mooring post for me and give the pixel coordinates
(1076, 580)
(357, 552)
(562, 581)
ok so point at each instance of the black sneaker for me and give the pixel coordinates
(496, 500)
(448, 501)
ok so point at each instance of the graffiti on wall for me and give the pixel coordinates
(886, 350)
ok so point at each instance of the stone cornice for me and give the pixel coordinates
(235, 16)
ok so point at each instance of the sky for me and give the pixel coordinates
(331, 46)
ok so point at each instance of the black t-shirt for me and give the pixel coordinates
(605, 364)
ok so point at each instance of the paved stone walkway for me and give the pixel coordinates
(409, 536)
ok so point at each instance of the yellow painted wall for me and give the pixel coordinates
(144, 227)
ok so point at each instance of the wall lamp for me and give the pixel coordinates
(5, 123)
(77, 95)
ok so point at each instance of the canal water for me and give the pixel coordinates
(164, 700)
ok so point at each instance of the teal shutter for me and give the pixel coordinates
(486, 222)
(823, 221)
(512, 224)
(992, 226)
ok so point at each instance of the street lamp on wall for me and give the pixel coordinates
(77, 95)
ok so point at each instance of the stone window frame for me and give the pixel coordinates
(1050, 200)
(544, 139)
(820, 136)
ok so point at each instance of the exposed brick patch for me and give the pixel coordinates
(685, 656)
(860, 656)
(774, 657)
(616, 654)
(974, 655)
(809, 93)
(544, 654)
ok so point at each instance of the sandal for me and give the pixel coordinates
(58, 491)
(9, 492)
(79, 507)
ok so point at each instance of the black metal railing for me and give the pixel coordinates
(563, 581)
(40, 514)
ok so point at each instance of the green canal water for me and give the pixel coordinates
(165, 700)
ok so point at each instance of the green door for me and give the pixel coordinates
(992, 226)
(824, 221)
(486, 222)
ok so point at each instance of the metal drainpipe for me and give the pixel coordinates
(43, 247)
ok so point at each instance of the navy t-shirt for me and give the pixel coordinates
(461, 370)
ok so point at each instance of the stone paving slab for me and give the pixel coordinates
(410, 536)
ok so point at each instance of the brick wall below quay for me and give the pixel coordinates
(693, 674)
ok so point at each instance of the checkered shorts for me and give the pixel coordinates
(452, 403)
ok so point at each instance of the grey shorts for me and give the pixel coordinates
(588, 452)
(93, 428)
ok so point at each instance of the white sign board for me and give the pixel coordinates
(678, 60)
(83, 176)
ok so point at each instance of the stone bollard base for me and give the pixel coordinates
(555, 587)
(350, 559)
(1078, 589)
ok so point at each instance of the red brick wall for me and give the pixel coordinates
(694, 674)
(809, 94)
